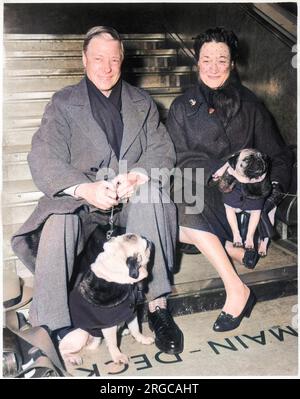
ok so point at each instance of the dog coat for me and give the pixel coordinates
(238, 199)
(92, 317)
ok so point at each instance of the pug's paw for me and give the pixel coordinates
(117, 356)
(74, 360)
(237, 240)
(121, 358)
(143, 339)
(262, 249)
(249, 244)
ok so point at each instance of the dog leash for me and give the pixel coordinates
(111, 219)
(111, 225)
(111, 222)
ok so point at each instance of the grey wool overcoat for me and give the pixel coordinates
(70, 147)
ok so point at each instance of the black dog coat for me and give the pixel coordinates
(237, 198)
(95, 304)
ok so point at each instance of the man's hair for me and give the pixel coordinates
(218, 35)
(102, 30)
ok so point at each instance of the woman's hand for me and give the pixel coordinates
(220, 172)
(244, 179)
(101, 194)
(275, 197)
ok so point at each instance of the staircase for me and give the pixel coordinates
(38, 65)
(35, 67)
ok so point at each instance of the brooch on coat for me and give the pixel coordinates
(192, 102)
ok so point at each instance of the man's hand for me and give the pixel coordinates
(127, 183)
(101, 194)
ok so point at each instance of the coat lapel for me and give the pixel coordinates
(134, 111)
(81, 113)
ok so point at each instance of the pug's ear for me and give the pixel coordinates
(133, 266)
(233, 159)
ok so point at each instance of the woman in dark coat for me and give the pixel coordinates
(211, 121)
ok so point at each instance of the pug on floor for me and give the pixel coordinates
(245, 184)
(106, 297)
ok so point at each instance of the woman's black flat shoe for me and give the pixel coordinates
(226, 322)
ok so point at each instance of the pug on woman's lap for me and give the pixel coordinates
(245, 183)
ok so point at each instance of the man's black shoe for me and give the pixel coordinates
(168, 336)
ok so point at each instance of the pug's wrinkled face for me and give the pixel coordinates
(124, 259)
(251, 163)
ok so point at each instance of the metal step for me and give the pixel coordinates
(79, 71)
(17, 213)
(23, 97)
(15, 153)
(28, 84)
(49, 54)
(33, 104)
(15, 165)
(25, 121)
(25, 109)
(18, 136)
(16, 171)
(163, 57)
(37, 42)
(20, 192)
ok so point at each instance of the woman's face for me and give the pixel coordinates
(214, 64)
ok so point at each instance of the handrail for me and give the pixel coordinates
(276, 20)
(178, 39)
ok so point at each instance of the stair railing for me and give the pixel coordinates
(180, 42)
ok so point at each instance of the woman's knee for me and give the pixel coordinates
(189, 235)
(199, 238)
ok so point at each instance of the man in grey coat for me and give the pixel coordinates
(87, 132)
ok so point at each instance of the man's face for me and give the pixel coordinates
(102, 61)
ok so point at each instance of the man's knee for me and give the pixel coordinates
(61, 224)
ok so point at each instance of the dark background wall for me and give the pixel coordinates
(265, 64)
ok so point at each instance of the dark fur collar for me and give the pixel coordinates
(102, 293)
